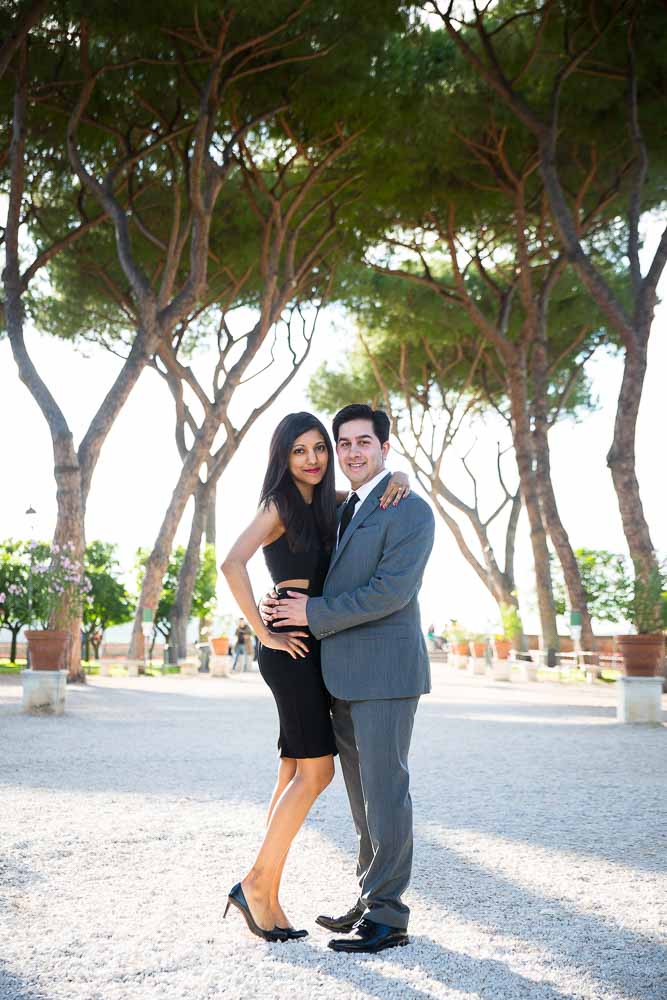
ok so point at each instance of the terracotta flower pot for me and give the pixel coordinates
(502, 648)
(220, 645)
(642, 654)
(48, 648)
(461, 648)
(478, 649)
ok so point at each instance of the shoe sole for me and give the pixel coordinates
(371, 951)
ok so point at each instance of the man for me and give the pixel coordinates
(243, 634)
(375, 666)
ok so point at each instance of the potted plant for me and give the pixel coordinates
(457, 645)
(57, 586)
(511, 633)
(643, 653)
(220, 644)
(477, 645)
(458, 639)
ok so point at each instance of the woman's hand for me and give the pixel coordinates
(266, 607)
(397, 489)
(287, 642)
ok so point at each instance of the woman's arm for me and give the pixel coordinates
(264, 527)
(397, 489)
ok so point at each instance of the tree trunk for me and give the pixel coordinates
(69, 533)
(559, 536)
(180, 614)
(547, 497)
(12, 651)
(206, 623)
(211, 523)
(621, 462)
(516, 380)
(17, 33)
(73, 471)
(156, 564)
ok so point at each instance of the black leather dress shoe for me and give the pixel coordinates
(344, 924)
(371, 937)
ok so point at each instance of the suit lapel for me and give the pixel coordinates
(367, 507)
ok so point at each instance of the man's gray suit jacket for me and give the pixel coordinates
(368, 615)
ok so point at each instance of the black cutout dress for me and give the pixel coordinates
(303, 702)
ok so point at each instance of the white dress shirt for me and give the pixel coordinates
(362, 492)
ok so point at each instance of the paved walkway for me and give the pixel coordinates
(539, 866)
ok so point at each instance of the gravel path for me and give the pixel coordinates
(539, 859)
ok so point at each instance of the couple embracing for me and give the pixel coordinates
(343, 653)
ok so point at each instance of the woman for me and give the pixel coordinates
(296, 526)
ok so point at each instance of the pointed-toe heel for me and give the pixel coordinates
(237, 899)
(291, 933)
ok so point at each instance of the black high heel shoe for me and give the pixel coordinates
(237, 899)
(292, 933)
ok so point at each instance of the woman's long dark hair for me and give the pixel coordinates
(280, 487)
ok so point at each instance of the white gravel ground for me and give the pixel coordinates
(539, 858)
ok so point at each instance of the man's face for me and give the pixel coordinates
(360, 454)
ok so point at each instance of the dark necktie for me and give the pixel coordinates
(348, 511)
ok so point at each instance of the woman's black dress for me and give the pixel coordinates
(302, 699)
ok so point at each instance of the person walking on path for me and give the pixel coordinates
(243, 633)
(296, 526)
(375, 665)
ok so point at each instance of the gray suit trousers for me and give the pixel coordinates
(373, 740)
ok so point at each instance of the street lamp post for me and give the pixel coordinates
(31, 514)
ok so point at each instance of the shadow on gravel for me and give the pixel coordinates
(556, 785)
(632, 964)
(534, 709)
(487, 979)
(13, 988)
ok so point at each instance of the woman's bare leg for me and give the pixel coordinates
(286, 772)
(312, 776)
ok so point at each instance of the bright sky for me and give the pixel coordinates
(139, 466)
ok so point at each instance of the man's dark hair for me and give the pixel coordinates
(361, 411)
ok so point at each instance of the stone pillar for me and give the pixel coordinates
(220, 666)
(189, 667)
(44, 691)
(639, 699)
(500, 670)
(527, 670)
(477, 665)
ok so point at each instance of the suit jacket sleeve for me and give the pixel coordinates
(394, 583)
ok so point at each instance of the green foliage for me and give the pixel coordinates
(14, 588)
(607, 583)
(647, 609)
(615, 594)
(457, 632)
(108, 600)
(315, 60)
(39, 578)
(511, 621)
(203, 597)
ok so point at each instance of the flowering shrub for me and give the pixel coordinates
(62, 583)
(36, 580)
